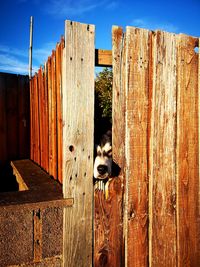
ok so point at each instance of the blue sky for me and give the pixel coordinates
(49, 16)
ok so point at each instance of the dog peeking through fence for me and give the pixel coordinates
(103, 163)
(104, 167)
(103, 157)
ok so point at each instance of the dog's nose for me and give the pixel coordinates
(102, 169)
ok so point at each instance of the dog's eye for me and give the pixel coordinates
(107, 153)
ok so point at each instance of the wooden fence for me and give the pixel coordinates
(46, 114)
(152, 214)
(152, 217)
(14, 117)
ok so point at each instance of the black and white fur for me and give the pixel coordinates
(103, 158)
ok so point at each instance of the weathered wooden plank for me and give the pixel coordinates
(59, 50)
(162, 178)
(41, 114)
(78, 121)
(53, 118)
(188, 217)
(46, 120)
(103, 58)
(3, 120)
(31, 117)
(12, 115)
(36, 120)
(136, 194)
(49, 80)
(24, 116)
(108, 225)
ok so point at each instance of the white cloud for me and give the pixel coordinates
(16, 60)
(152, 25)
(64, 8)
(10, 63)
(14, 51)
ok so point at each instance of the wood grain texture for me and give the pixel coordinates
(37, 157)
(108, 222)
(59, 51)
(31, 120)
(137, 62)
(46, 118)
(103, 58)
(53, 119)
(41, 117)
(78, 120)
(188, 217)
(163, 152)
(49, 81)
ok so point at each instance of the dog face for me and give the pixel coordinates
(103, 161)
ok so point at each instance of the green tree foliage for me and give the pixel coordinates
(103, 94)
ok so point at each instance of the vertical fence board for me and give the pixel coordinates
(24, 117)
(188, 219)
(12, 116)
(54, 115)
(33, 132)
(37, 121)
(108, 222)
(46, 119)
(31, 119)
(49, 75)
(136, 146)
(3, 119)
(78, 119)
(41, 114)
(163, 152)
(59, 50)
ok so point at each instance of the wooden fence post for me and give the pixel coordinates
(187, 155)
(162, 155)
(136, 182)
(78, 128)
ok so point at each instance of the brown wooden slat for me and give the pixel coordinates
(136, 193)
(59, 50)
(188, 217)
(108, 224)
(46, 119)
(49, 75)
(37, 120)
(54, 116)
(31, 119)
(103, 58)
(41, 114)
(162, 177)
